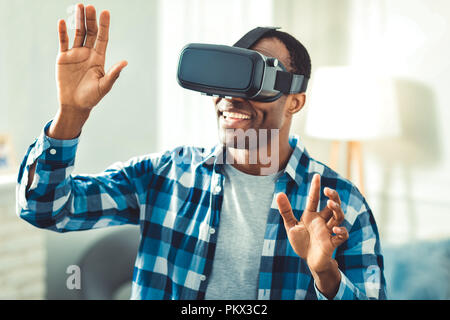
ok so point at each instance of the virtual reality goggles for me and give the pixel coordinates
(225, 71)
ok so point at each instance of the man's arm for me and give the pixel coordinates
(65, 126)
(80, 77)
(59, 201)
(48, 196)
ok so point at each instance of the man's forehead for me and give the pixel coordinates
(273, 47)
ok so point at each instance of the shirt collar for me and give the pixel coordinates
(299, 161)
(295, 168)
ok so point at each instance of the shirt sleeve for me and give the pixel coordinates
(359, 258)
(60, 201)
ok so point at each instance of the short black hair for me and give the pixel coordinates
(300, 61)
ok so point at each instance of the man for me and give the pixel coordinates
(209, 229)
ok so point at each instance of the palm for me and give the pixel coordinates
(312, 237)
(80, 74)
(312, 243)
(79, 71)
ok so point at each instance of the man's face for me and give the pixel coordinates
(237, 113)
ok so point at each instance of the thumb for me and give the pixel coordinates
(110, 78)
(284, 206)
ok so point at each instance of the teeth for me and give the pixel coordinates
(235, 115)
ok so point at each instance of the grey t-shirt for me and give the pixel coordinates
(246, 203)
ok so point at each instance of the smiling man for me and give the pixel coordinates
(210, 229)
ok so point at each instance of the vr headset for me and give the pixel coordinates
(225, 71)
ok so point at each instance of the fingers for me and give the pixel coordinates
(91, 27)
(102, 37)
(284, 206)
(314, 194)
(87, 31)
(80, 31)
(332, 194)
(340, 237)
(110, 78)
(326, 213)
(334, 204)
(338, 214)
(63, 36)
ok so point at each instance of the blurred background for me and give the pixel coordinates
(406, 173)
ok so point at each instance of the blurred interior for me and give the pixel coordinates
(407, 178)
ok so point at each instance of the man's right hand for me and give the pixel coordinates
(80, 76)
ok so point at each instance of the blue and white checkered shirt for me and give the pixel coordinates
(176, 198)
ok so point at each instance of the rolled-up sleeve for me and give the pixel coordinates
(59, 201)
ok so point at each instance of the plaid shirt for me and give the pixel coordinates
(176, 198)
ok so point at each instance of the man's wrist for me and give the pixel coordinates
(67, 124)
(328, 280)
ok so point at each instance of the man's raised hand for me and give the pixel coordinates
(317, 234)
(80, 75)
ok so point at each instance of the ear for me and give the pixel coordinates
(296, 102)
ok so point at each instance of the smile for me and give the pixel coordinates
(235, 115)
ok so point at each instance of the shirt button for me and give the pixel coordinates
(212, 231)
(217, 189)
(202, 277)
(52, 151)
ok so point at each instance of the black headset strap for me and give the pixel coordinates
(286, 82)
(251, 37)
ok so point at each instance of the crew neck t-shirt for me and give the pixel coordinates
(246, 204)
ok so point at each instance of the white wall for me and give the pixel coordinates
(22, 252)
(408, 178)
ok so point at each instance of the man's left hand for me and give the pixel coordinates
(317, 234)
